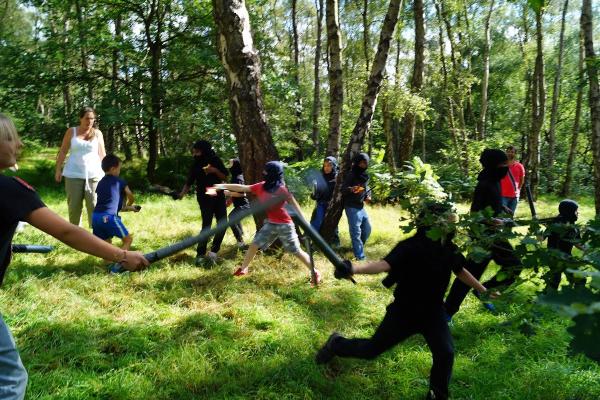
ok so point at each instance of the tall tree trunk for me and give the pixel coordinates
(316, 109)
(336, 83)
(155, 107)
(523, 124)
(242, 69)
(594, 93)
(110, 135)
(408, 136)
(566, 188)
(555, 99)
(538, 100)
(486, 74)
(83, 51)
(366, 48)
(297, 136)
(388, 129)
(363, 123)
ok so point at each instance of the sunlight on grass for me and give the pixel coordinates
(180, 332)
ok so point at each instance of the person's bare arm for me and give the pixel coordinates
(469, 280)
(374, 267)
(212, 170)
(234, 194)
(62, 154)
(80, 239)
(101, 147)
(233, 187)
(294, 203)
(129, 195)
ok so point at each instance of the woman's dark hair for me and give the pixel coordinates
(85, 110)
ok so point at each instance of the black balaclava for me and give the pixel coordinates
(207, 152)
(489, 159)
(273, 175)
(236, 167)
(358, 171)
(567, 209)
(334, 170)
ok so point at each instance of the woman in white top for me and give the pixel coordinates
(83, 168)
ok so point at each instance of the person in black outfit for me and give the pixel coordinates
(487, 194)
(561, 234)
(355, 191)
(420, 267)
(206, 171)
(322, 191)
(239, 200)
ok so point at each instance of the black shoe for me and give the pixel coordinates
(325, 353)
(432, 396)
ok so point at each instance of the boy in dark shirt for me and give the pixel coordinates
(420, 267)
(20, 202)
(561, 235)
(239, 200)
(111, 190)
(355, 191)
(487, 194)
(207, 171)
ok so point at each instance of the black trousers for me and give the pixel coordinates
(398, 326)
(503, 254)
(211, 207)
(237, 229)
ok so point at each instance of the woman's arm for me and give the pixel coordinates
(62, 154)
(101, 147)
(80, 239)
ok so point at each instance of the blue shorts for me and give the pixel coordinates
(107, 226)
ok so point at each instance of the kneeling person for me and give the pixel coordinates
(111, 191)
(420, 267)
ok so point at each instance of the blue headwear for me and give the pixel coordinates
(273, 175)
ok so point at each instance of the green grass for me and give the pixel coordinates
(179, 332)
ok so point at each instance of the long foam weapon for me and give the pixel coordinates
(222, 226)
(318, 240)
(31, 248)
(530, 201)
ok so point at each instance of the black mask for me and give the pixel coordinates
(500, 172)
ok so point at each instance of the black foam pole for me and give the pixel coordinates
(31, 248)
(205, 235)
(319, 242)
(530, 201)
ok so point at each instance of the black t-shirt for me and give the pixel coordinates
(421, 269)
(202, 180)
(355, 200)
(561, 235)
(17, 201)
(239, 201)
(487, 194)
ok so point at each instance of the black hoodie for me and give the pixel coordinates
(357, 176)
(487, 192)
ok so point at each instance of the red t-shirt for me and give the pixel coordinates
(276, 214)
(507, 186)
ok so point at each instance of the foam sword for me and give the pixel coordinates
(31, 248)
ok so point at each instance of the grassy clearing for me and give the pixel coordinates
(180, 332)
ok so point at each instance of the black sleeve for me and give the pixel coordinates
(18, 201)
(458, 260)
(347, 183)
(191, 175)
(218, 164)
(399, 255)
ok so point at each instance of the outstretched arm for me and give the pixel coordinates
(374, 267)
(80, 239)
(469, 280)
(233, 187)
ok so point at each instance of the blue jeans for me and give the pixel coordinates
(13, 376)
(317, 218)
(510, 202)
(360, 230)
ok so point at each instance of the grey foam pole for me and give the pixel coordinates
(31, 248)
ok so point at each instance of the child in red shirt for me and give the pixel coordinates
(279, 224)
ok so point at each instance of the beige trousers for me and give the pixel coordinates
(77, 192)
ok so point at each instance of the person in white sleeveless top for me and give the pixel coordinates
(83, 168)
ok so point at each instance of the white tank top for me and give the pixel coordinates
(84, 160)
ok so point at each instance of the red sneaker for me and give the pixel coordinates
(240, 272)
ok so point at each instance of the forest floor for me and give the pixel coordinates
(176, 331)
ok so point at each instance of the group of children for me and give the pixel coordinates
(419, 266)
